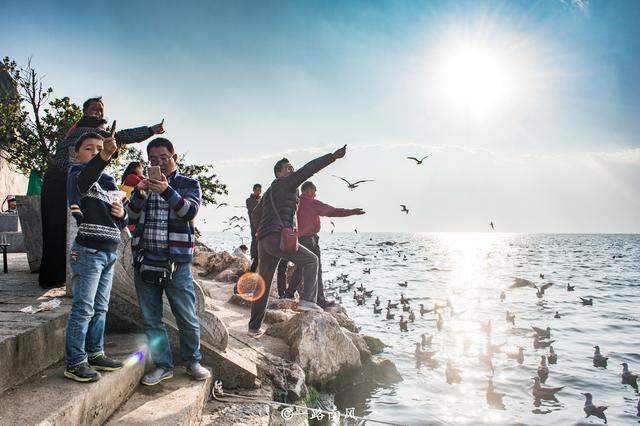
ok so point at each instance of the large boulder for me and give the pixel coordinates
(381, 370)
(340, 315)
(361, 344)
(286, 378)
(221, 266)
(375, 345)
(319, 345)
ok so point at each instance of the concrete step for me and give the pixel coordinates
(29, 343)
(48, 398)
(178, 401)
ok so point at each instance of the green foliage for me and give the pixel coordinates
(312, 396)
(32, 121)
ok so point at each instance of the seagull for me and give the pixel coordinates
(543, 391)
(587, 302)
(502, 296)
(234, 218)
(521, 282)
(423, 310)
(511, 318)
(543, 370)
(426, 339)
(403, 324)
(542, 333)
(355, 230)
(541, 275)
(366, 271)
(494, 398)
(598, 359)
(403, 299)
(404, 284)
(353, 185)
(592, 410)
(493, 227)
(557, 315)
(452, 374)
(519, 356)
(334, 263)
(537, 343)
(367, 293)
(570, 287)
(377, 310)
(377, 302)
(390, 315)
(406, 308)
(553, 356)
(541, 289)
(423, 355)
(391, 305)
(419, 162)
(221, 205)
(412, 316)
(404, 209)
(629, 378)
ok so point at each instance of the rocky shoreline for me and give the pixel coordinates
(300, 356)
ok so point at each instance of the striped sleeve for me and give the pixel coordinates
(135, 206)
(185, 206)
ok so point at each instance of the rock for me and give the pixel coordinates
(319, 345)
(360, 343)
(282, 304)
(286, 377)
(374, 344)
(239, 301)
(221, 266)
(381, 369)
(343, 319)
(272, 316)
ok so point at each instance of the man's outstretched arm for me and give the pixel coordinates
(296, 178)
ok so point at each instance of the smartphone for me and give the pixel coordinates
(154, 172)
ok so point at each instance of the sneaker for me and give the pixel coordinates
(156, 376)
(304, 306)
(198, 372)
(82, 373)
(255, 333)
(101, 362)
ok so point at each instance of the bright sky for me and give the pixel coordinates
(530, 110)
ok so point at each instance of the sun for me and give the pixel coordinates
(475, 78)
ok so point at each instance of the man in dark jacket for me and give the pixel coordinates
(276, 211)
(251, 203)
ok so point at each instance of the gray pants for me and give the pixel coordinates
(312, 242)
(270, 254)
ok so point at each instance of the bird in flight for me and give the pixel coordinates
(418, 162)
(234, 218)
(333, 225)
(404, 209)
(221, 204)
(492, 225)
(353, 185)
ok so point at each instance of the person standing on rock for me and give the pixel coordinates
(309, 211)
(251, 203)
(276, 211)
(93, 258)
(163, 209)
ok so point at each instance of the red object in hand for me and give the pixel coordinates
(133, 180)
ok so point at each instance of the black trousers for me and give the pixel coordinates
(53, 209)
(254, 253)
(270, 256)
(312, 242)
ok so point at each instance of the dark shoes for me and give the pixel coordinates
(82, 373)
(101, 362)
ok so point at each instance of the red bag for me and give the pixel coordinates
(288, 236)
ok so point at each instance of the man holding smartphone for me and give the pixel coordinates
(163, 208)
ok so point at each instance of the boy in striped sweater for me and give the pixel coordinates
(162, 245)
(93, 257)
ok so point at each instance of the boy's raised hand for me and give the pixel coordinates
(109, 146)
(158, 129)
(117, 209)
(340, 152)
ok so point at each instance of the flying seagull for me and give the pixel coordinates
(404, 209)
(353, 185)
(492, 225)
(220, 205)
(418, 162)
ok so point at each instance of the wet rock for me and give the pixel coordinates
(286, 377)
(239, 301)
(381, 370)
(221, 266)
(318, 343)
(360, 343)
(375, 345)
(272, 316)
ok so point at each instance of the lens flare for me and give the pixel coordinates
(134, 358)
(250, 286)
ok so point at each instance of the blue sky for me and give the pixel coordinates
(530, 109)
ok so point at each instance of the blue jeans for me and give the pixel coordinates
(182, 299)
(91, 279)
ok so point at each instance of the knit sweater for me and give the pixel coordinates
(99, 229)
(184, 197)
